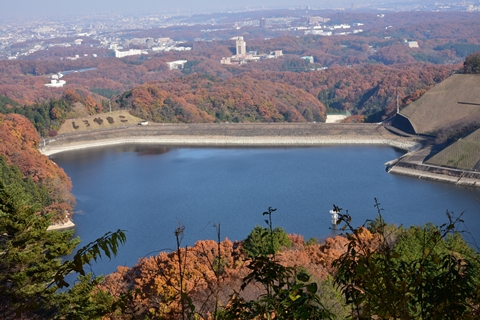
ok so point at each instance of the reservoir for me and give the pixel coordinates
(149, 190)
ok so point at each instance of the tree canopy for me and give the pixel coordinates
(430, 273)
(31, 265)
(258, 242)
(472, 63)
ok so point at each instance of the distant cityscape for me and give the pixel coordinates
(111, 35)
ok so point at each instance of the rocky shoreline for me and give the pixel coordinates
(62, 225)
(442, 177)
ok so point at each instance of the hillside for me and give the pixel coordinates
(462, 154)
(19, 146)
(455, 100)
(100, 121)
(198, 98)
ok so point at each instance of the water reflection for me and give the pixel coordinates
(94, 154)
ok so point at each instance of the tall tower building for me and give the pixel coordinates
(240, 45)
(263, 23)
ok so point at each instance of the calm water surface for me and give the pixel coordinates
(149, 190)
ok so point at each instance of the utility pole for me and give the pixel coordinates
(398, 107)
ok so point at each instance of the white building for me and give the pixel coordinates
(343, 26)
(334, 118)
(226, 60)
(175, 65)
(164, 40)
(277, 53)
(319, 32)
(317, 20)
(338, 117)
(412, 44)
(55, 83)
(181, 48)
(131, 52)
(240, 45)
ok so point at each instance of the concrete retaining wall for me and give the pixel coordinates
(443, 175)
(226, 141)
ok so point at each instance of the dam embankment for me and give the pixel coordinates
(413, 164)
(231, 135)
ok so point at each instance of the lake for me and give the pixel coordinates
(149, 190)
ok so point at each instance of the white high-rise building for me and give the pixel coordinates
(240, 46)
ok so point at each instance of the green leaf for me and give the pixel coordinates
(312, 287)
(293, 296)
(302, 276)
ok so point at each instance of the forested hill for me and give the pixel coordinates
(206, 99)
(367, 90)
(21, 163)
(238, 94)
(210, 92)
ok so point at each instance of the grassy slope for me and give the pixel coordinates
(120, 119)
(462, 154)
(439, 106)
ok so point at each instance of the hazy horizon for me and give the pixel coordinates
(50, 8)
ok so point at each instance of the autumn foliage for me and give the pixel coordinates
(19, 145)
(472, 63)
(156, 279)
(197, 98)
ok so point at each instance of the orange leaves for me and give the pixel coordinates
(17, 130)
(394, 54)
(92, 105)
(209, 273)
(354, 119)
(413, 96)
(71, 95)
(142, 98)
(19, 145)
(158, 278)
(56, 113)
(197, 98)
(147, 96)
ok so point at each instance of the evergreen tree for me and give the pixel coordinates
(31, 268)
(29, 255)
(258, 242)
(11, 175)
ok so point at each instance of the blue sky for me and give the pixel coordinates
(32, 8)
(54, 7)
